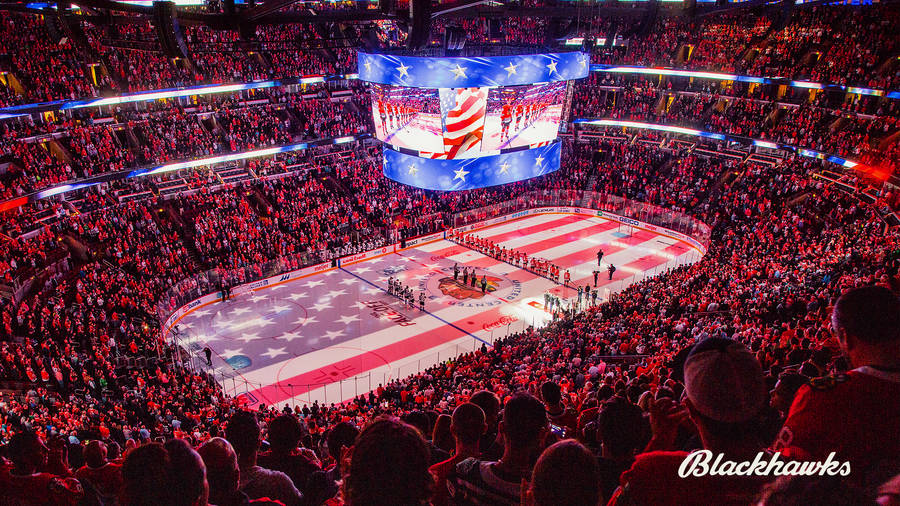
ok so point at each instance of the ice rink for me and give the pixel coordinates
(333, 335)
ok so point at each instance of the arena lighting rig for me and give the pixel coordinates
(458, 123)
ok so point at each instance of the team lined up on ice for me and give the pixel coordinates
(405, 293)
(521, 259)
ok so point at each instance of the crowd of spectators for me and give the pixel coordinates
(842, 45)
(807, 122)
(46, 69)
(767, 284)
(845, 45)
(727, 354)
(133, 56)
(84, 146)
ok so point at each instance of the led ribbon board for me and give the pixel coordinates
(470, 173)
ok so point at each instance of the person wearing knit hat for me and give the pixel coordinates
(725, 401)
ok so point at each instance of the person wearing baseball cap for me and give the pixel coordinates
(726, 399)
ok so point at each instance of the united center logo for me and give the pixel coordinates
(498, 289)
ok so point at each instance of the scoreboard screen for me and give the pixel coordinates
(469, 108)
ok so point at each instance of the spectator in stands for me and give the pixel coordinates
(421, 421)
(523, 428)
(558, 413)
(566, 474)
(490, 444)
(26, 483)
(242, 431)
(155, 474)
(441, 436)
(850, 413)
(388, 466)
(621, 431)
(285, 434)
(726, 398)
(324, 485)
(223, 475)
(467, 426)
(103, 476)
(789, 382)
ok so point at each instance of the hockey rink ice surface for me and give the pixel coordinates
(332, 335)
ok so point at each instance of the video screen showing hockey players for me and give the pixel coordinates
(408, 117)
(523, 115)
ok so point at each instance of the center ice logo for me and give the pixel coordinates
(456, 289)
(498, 290)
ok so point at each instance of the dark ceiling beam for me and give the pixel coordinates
(562, 11)
(457, 6)
(324, 17)
(270, 7)
(711, 11)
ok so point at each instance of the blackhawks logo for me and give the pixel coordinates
(456, 289)
(499, 289)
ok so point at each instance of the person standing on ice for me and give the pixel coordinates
(455, 271)
(568, 278)
(611, 269)
(599, 257)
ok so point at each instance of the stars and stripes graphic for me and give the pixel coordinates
(463, 110)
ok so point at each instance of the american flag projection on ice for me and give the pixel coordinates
(462, 112)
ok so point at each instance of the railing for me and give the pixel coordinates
(647, 213)
(339, 389)
(343, 389)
